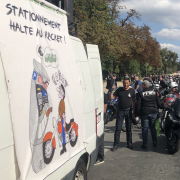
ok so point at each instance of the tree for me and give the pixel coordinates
(120, 42)
(169, 61)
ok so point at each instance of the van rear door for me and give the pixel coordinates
(96, 73)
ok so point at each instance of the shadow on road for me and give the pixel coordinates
(161, 146)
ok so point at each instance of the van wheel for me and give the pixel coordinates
(80, 171)
(73, 137)
(48, 151)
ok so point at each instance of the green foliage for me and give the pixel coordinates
(169, 61)
(178, 66)
(124, 47)
(130, 67)
(117, 70)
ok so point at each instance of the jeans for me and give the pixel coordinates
(149, 120)
(100, 156)
(121, 114)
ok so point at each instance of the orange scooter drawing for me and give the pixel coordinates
(50, 143)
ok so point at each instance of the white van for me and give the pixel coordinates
(90, 74)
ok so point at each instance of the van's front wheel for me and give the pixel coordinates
(80, 171)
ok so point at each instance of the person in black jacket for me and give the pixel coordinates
(147, 108)
(153, 78)
(113, 81)
(126, 107)
(147, 79)
(163, 83)
(109, 78)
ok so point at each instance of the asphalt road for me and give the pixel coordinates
(136, 164)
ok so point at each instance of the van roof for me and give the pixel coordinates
(50, 6)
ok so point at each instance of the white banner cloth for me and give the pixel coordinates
(43, 84)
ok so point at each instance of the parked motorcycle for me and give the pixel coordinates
(172, 123)
(111, 111)
(170, 95)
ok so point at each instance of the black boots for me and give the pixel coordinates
(144, 146)
(155, 144)
(63, 149)
(114, 148)
(130, 146)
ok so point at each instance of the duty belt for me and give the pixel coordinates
(124, 109)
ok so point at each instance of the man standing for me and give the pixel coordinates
(162, 83)
(138, 84)
(126, 97)
(148, 79)
(147, 107)
(109, 79)
(113, 81)
(153, 78)
(132, 77)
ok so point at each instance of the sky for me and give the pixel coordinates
(162, 16)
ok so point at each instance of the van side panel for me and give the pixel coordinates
(8, 166)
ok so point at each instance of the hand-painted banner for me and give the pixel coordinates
(43, 85)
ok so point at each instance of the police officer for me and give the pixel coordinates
(126, 98)
(147, 108)
(163, 83)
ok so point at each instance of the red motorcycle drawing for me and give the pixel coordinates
(49, 141)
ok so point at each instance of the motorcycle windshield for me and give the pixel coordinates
(177, 108)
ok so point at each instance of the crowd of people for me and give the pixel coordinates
(141, 101)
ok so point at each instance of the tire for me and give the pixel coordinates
(107, 117)
(80, 171)
(73, 137)
(173, 144)
(48, 153)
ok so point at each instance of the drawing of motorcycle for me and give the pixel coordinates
(50, 142)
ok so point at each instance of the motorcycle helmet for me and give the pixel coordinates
(157, 86)
(170, 100)
(173, 84)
